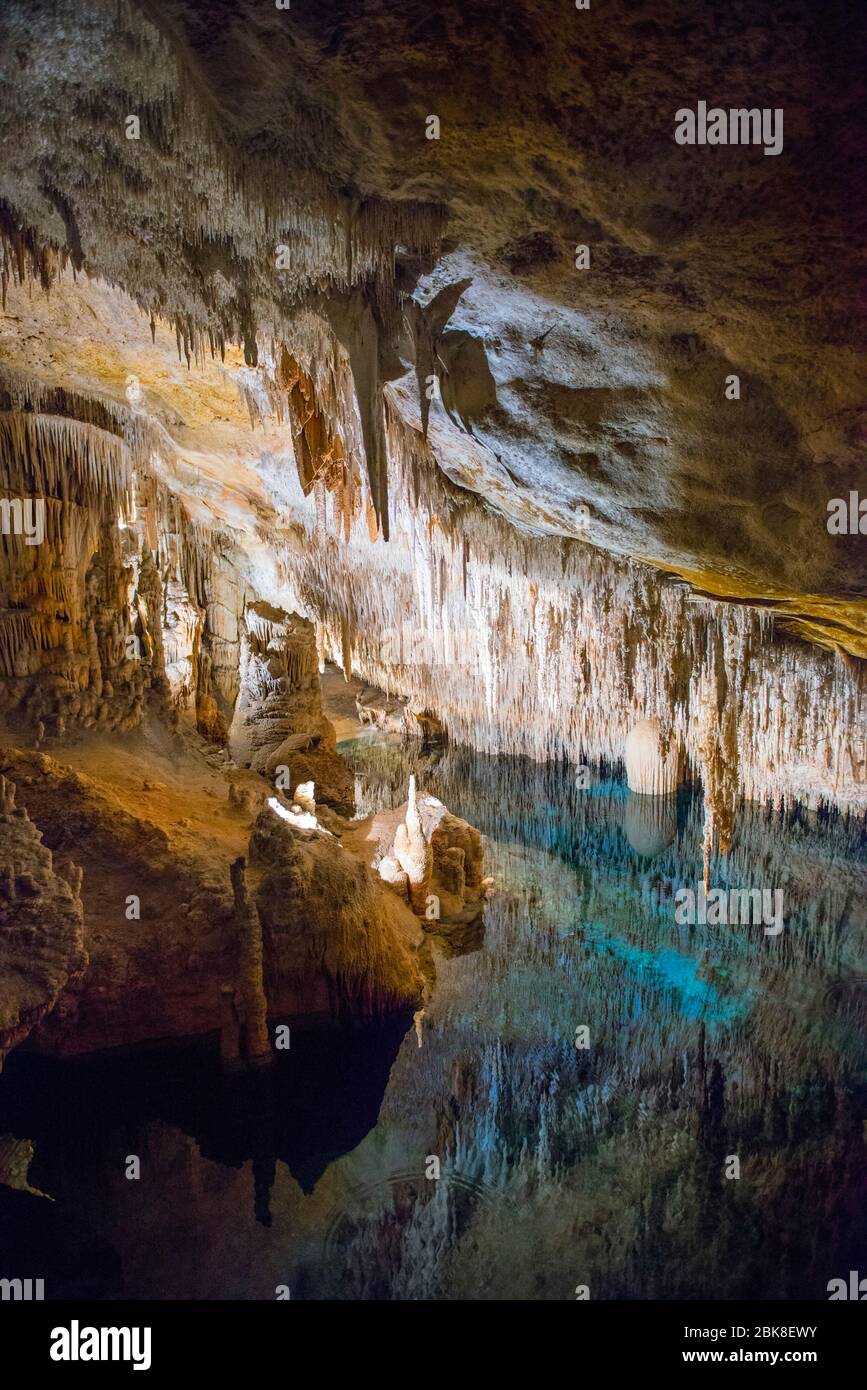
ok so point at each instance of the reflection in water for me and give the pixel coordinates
(650, 823)
(559, 1165)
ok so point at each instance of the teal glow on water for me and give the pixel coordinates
(695, 998)
(559, 1165)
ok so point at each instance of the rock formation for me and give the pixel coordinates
(559, 388)
(250, 1001)
(278, 727)
(430, 857)
(177, 901)
(335, 941)
(41, 930)
(651, 761)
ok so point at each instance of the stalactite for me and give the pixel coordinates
(718, 750)
(231, 207)
(58, 456)
(73, 606)
(522, 644)
(357, 327)
(553, 650)
(651, 761)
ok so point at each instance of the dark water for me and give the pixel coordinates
(711, 1050)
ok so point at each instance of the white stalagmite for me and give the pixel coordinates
(413, 853)
(410, 846)
(305, 796)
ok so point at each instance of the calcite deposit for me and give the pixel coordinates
(651, 760)
(430, 857)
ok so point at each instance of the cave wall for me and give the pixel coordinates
(521, 643)
(507, 537)
(75, 635)
(546, 648)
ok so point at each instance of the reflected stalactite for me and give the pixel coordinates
(650, 823)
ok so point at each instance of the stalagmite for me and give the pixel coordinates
(42, 945)
(413, 853)
(305, 796)
(431, 857)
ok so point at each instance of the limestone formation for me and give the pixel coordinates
(489, 609)
(148, 943)
(651, 760)
(278, 727)
(431, 857)
(230, 1030)
(546, 404)
(41, 930)
(336, 942)
(278, 391)
(411, 850)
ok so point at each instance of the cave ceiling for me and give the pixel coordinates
(283, 191)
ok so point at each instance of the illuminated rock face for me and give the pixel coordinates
(80, 611)
(278, 728)
(334, 937)
(528, 646)
(165, 930)
(520, 644)
(278, 203)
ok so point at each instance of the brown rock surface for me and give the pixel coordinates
(326, 918)
(155, 913)
(41, 935)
